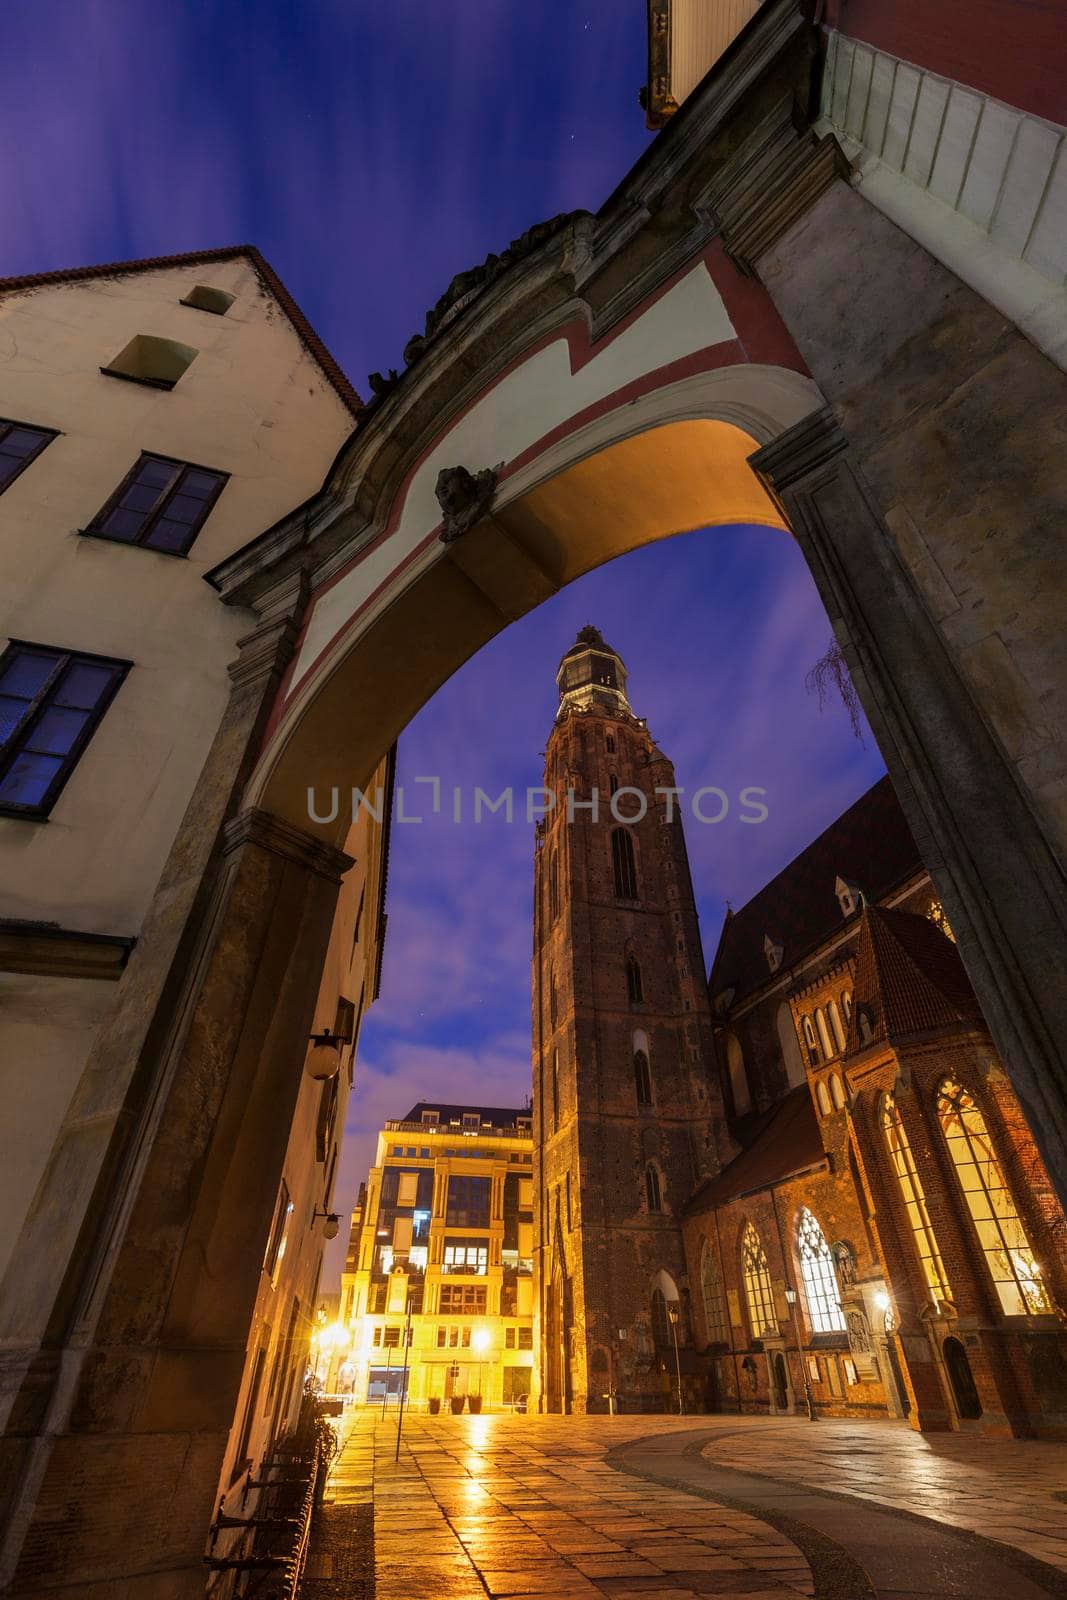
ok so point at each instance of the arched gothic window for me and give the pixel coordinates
(642, 1079)
(613, 783)
(846, 1004)
(821, 1294)
(911, 1190)
(837, 1091)
(553, 887)
(552, 1000)
(661, 1322)
(1009, 1257)
(622, 858)
(823, 1098)
(653, 1189)
(824, 1035)
(811, 1041)
(611, 744)
(555, 1090)
(714, 1298)
(836, 1025)
(790, 1046)
(757, 1279)
(735, 1065)
(634, 987)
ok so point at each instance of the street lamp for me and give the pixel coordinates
(481, 1339)
(673, 1317)
(809, 1398)
(324, 1058)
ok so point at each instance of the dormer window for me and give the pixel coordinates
(865, 1024)
(430, 1119)
(773, 952)
(524, 1124)
(849, 896)
(471, 1122)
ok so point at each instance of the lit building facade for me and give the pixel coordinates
(445, 1233)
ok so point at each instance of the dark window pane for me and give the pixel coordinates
(83, 686)
(139, 497)
(20, 442)
(168, 535)
(27, 780)
(9, 465)
(200, 484)
(56, 731)
(123, 524)
(183, 508)
(25, 674)
(11, 714)
(159, 473)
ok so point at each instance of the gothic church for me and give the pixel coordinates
(804, 1183)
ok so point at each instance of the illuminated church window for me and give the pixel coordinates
(714, 1298)
(914, 1201)
(817, 1273)
(935, 911)
(1009, 1257)
(758, 1292)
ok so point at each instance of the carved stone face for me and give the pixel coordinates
(454, 490)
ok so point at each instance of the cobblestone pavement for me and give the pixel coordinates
(505, 1505)
(1002, 1489)
(669, 1508)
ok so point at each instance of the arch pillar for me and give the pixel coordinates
(997, 875)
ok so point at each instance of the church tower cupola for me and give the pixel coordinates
(592, 676)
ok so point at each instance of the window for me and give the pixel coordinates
(567, 1186)
(509, 1338)
(1009, 1257)
(467, 1299)
(468, 1202)
(837, 1091)
(525, 1338)
(160, 504)
(824, 1035)
(201, 298)
(278, 1230)
(811, 1041)
(823, 1098)
(611, 744)
(935, 911)
(635, 988)
(735, 1066)
(817, 1274)
(472, 1121)
(344, 1022)
(914, 1201)
(19, 445)
(555, 1090)
(622, 856)
(642, 1079)
(51, 702)
(552, 999)
(757, 1280)
(711, 1290)
(241, 1458)
(835, 1023)
(773, 952)
(661, 1322)
(429, 1119)
(442, 1335)
(653, 1189)
(151, 360)
(467, 1255)
(553, 887)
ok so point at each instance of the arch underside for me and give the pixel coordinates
(630, 480)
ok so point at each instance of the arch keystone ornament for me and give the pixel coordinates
(465, 498)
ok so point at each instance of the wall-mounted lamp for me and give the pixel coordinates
(331, 1224)
(790, 1297)
(324, 1058)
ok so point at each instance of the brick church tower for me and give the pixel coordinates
(627, 1118)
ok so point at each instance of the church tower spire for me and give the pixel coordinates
(627, 1116)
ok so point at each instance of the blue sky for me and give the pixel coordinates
(372, 151)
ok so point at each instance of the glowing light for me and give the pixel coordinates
(335, 1337)
(481, 1338)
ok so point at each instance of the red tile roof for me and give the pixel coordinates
(784, 1142)
(909, 980)
(870, 845)
(266, 273)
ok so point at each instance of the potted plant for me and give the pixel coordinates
(474, 1401)
(434, 1404)
(455, 1404)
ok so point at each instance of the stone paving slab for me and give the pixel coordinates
(1000, 1489)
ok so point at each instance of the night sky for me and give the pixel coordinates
(371, 151)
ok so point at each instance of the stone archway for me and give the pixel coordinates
(620, 378)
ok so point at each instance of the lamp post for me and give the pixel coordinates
(673, 1317)
(404, 1380)
(809, 1398)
